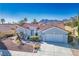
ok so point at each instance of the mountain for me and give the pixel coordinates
(45, 21)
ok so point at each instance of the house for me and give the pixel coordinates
(23, 33)
(7, 29)
(48, 32)
(55, 34)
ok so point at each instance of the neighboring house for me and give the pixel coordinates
(49, 32)
(7, 28)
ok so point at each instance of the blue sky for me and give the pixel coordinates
(17, 11)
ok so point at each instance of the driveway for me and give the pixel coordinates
(55, 49)
(47, 49)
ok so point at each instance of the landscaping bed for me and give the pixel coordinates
(75, 52)
(75, 49)
(12, 46)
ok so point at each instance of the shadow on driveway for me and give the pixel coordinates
(59, 44)
(3, 50)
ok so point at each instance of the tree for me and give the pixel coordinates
(34, 21)
(78, 25)
(21, 22)
(2, 20)
(25, 19)
(73, 22)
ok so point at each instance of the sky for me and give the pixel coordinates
(17, 11)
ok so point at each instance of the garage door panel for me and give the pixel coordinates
(55, 37)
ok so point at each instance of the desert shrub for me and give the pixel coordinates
(36, 46)
(18, 41)
(8, 35)
(34, 38)
(2, 35)
(5, 35)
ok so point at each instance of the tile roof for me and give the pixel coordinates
(7, 27)
(41, 26)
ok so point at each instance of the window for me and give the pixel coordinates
(32, 32)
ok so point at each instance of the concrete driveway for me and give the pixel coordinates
(47, 49)
(55, 49)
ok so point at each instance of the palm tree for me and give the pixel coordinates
(2, 20)
(34, 21)
(21, 22)
(25, 20)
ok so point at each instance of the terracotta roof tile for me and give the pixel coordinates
(41, 26)
(7, 27)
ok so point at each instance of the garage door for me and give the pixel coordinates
(55, 38)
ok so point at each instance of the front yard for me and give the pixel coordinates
(46, 50)
(9, 44)
(29, 47)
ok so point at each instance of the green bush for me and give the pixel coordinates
(28, 37)
(70, 37)
(34, 38)
(77, 38)
(36, 34)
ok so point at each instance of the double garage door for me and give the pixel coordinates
(55, 38)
